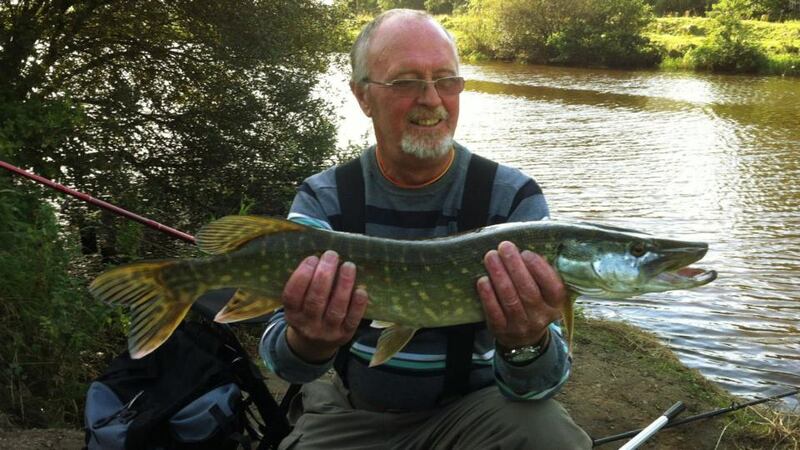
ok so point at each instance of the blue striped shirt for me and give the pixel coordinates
(413, 379)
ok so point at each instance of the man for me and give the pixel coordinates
(406, 78)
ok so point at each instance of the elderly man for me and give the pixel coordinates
(486, 386)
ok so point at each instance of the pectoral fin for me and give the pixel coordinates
(391, 341)
(246, 305)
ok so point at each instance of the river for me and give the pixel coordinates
(714, 158)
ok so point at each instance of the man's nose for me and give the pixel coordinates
(429, 95)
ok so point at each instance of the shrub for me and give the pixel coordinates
(580, 32)
(729, 47)
(52, 332)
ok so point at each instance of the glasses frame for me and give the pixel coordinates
(418, 82)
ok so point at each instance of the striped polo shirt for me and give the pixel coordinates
(413, 379)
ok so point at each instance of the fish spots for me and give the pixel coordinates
(464, 271)
(263, 279)
(424, 295)
(248, 274)
(415, 283)
(226, 278)
(428, 268)
(430, 313)
(459, 311)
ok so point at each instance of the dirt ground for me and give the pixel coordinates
(622, 380)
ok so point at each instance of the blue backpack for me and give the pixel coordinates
(199, 390)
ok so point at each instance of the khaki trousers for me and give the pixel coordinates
(325, 419)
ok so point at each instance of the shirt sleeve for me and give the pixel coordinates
(281, 360)
(273, 348)
(542, 378)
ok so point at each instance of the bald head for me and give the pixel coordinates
(387, 27)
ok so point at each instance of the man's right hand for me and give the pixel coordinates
(321, 306)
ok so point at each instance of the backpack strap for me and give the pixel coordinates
(474, 213)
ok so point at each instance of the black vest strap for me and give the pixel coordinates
(352, 201)
(474, 213)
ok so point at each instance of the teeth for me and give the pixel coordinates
(428, 122)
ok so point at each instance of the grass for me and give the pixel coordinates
(678, 35)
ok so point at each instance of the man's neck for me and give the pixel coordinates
(410, 172)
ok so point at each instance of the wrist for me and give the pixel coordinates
(521, 355)
(308, 351)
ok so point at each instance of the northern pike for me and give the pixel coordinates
(411, 284)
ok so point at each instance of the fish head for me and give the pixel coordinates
(616, 263)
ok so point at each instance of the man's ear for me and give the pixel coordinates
(360, 91)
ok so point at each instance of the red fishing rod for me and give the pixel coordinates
(97, 202)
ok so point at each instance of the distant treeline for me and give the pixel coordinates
(774, 10)
(618, 33)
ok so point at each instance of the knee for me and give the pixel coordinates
(543, 424)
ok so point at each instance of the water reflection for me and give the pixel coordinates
(701, 157)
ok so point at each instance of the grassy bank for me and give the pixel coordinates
(624, 378)
(677, 36)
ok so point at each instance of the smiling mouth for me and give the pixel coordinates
(426, 122)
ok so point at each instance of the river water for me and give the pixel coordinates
(701, 157)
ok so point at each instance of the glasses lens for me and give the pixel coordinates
(408, 88)
(450, 85)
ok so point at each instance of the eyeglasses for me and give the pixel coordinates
(415, 87)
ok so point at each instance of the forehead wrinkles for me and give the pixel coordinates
(397, 47)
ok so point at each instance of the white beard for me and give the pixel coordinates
(426, 147)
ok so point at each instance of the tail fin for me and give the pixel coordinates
(156, 308)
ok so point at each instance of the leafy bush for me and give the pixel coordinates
(52, 332)
(729, 47)
(581, 32)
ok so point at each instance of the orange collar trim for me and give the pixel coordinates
(414, 186)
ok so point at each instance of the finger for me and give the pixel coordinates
(526, 286)
(358, 305)
(554, 293)
(340, 299)
(495, 317)
(295, 289)
(319, 291)
(503, 286)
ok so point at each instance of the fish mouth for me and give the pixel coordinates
(684, 278)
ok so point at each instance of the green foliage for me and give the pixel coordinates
(409, 4)
(612, 36)
(680, 7)
(729, 47)
(49, 326)
(579, 32)
(176, 110)
(776, 10)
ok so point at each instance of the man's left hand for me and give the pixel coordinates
(521, 296)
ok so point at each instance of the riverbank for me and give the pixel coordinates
(780, 42)
(623, 379)
(774, 47)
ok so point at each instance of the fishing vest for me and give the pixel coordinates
(473, 213)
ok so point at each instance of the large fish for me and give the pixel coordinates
(411, 284)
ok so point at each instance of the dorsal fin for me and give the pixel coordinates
(231, 232)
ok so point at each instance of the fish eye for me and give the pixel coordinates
(637, 249)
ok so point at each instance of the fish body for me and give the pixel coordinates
(411, 284)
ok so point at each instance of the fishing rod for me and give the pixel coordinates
(705, 415)
(97, 202)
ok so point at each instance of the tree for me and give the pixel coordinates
(182, 109)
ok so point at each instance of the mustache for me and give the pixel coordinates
(420, 113)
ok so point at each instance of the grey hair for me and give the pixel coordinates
(358, 54)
